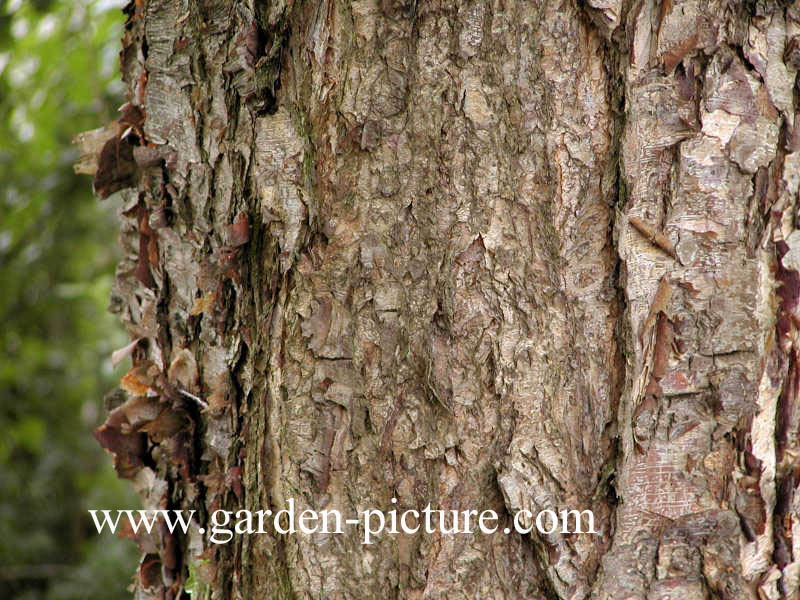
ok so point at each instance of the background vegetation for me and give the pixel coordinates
(58, 77)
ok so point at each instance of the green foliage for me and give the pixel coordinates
(58, 72)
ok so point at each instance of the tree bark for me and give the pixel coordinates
(479, 255)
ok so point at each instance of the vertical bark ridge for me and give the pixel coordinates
(708, 94)
(386, 230)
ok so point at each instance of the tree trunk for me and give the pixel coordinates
(475, 255)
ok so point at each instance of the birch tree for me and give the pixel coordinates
(477, 255)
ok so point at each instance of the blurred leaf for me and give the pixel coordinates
(58, 77)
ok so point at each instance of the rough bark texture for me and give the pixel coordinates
(509, 255)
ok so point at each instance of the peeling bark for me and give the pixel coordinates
(507, 255)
